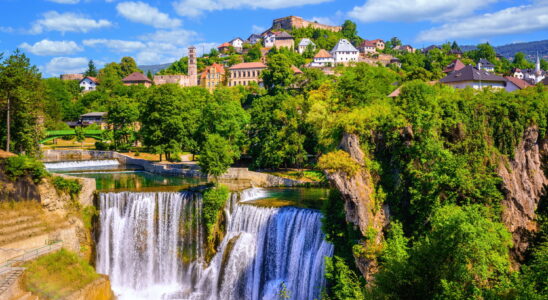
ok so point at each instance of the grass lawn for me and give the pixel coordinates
(57, 275)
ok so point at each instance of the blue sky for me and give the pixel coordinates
(61, 35)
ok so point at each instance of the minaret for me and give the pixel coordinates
(537, 67)
(192, 66)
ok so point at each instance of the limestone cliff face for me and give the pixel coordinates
(524, 181)
(358, 194)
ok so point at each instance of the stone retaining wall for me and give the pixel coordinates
(256, 179)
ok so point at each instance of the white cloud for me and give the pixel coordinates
(47, 47)
(116, 45)
(67, 22)
(193, 8)
(527, 18)
(324, 20)
(64, 65)
(415, 10)
(65, 1)
(6, 29)
(176, 37)
(141, 12)
(257, 29)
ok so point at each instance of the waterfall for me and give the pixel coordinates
(77, 164)
(253, 194)
(150, 243)
(268, 251)
(149, 246)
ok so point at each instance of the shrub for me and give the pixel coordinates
(213, 202)
(339, 161)
(22, 165)
(57, 275)
(69, 186)
(101, 146)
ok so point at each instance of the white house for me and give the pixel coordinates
(303, 45)
(484, 64)
(344, 52)
(269, 38)
(237, 43)
(322, 59)
(89, 84)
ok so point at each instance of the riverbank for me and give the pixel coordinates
(255, 179)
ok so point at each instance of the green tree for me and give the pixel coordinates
(278, 76)
(521, 62)
(254, 53)
(149, 75)
(395, 41)
(80, 136)
(123, 112)
(128, 66)
(21, 104)
(110, 77)
(92, 70)
(216, 156)
(350, 31)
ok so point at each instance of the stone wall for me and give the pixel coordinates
(256, 179)
(291, 22)
(97, 290)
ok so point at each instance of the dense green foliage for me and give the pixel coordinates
(216, 155)
(21, 94)
(71, 187)
(17, 166)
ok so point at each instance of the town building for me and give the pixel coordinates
(396, 62)
(513, 83)
(212, 77)
(344, 52)
(89, 84)
(245, 73)
(430, 48)
(322, 59)
(238, 44)
(531, 76)
(223, 48)
(296, 71)
(180, 79)
(137, 78)
(367, 47)
(484, 64)
(469, 76)
(290, 22)
(303, 45)
(405, 48)
(71, 76)
(278, 39)
(99, 118)
(456, 52)
(454, 66)
(253, 39)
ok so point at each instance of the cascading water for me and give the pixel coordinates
(150, 243)
(253, 194)
(268, 252)
(149, 247)
(78, 164)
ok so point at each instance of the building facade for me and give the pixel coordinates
(137, 78)
(71, 76)
(290, 22)
(344, 52)
(304, 44)
(89, 84)
(245, 73)
(212, 77)
(180, 79)
(322, 59)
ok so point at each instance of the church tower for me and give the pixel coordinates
(192, 66)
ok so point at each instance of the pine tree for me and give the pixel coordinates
(92, 70)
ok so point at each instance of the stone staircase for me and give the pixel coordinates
(20, 228)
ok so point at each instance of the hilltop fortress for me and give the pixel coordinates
(291, 22)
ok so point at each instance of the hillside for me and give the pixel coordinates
(529, 48)
(153, 68)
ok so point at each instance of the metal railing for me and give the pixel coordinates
(30, 254)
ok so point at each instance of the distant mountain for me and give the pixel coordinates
(530, 49)
(153, 68)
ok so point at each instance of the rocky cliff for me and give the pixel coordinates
(358, 194)
(524, 181)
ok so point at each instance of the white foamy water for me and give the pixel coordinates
(150, 247)
(79, 164)
(253, 194)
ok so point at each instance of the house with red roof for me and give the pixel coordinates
(212, 77)
(137, 78)
(454, 66)
(88, 84)
(322, 59)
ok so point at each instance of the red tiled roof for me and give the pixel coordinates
(521, 84)
(136, 77)
(454, 66)
(367, 43)
(224, 45)
(218, 68)
(248, 65)
(322, 54)
(296, 70)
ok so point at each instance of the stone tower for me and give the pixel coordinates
(192, 66)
